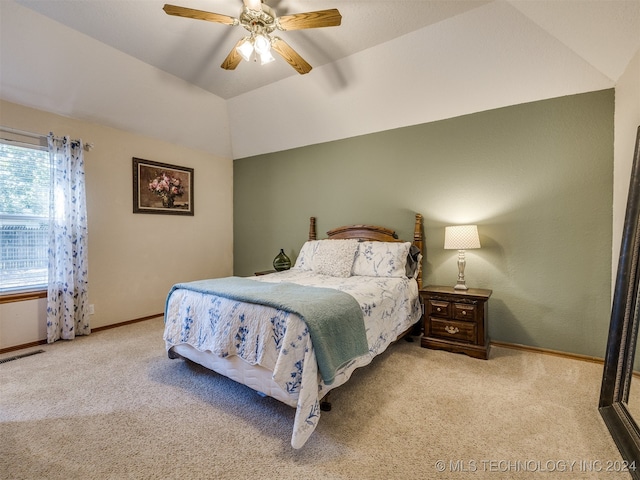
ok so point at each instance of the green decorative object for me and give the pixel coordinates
(281, 262)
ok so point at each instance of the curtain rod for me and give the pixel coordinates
(22, 132)
(87, 146)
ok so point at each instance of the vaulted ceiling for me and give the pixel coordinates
(193, 50)
(390, 64)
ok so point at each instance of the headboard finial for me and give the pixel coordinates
(312, 228)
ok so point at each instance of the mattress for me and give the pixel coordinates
(205, 328)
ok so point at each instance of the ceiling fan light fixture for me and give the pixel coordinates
(262, 44)
(246, 49)
(266, 57)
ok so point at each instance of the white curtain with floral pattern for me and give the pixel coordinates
(67, 295)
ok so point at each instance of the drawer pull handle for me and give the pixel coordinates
(464, 312)
(451, 330)
(439, 309)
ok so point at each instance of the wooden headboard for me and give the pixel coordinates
(373, 233)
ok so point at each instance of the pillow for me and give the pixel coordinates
(382, 259)
(335, 257)
(305, 257)
(414, 258)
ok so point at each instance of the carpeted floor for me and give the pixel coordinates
(113, 406)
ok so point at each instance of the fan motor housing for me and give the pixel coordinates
(265, 18)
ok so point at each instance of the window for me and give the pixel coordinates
(24, 216)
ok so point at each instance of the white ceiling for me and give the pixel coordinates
(193, 49)
(390, 64)
(604, 32)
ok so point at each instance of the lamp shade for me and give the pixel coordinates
(461, 237)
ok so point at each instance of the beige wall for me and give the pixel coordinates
(627, 121)
(133, 258)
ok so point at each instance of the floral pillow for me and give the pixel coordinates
(305, 257)
(335, 257)
(381, 259)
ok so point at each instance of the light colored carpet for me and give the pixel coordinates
(113, 406)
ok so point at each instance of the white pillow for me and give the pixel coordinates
(381, 259)
(305, 257)
(335, 257)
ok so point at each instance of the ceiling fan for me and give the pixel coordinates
(261, 21)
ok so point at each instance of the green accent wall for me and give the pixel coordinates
(536, 178)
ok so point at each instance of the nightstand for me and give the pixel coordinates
(456, 320)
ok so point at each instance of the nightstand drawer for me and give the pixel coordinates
(439, 308)
(454, 330)
(464, 311)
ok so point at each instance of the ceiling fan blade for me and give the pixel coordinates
(234, 58)
(321, 18)
(199, 14)
(290, 55)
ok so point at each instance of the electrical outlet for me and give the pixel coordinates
(91, 309)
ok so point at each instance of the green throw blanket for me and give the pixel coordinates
(334, 318)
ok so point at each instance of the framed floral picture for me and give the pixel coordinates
(162, 188)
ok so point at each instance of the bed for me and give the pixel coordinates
(296, 335)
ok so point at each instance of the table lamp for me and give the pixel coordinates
(461, 238)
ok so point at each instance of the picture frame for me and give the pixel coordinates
(162, 188)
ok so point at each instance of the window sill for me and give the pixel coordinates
(22, 296)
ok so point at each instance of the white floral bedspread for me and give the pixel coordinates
(280, 342)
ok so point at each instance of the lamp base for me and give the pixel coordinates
(461, 285)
